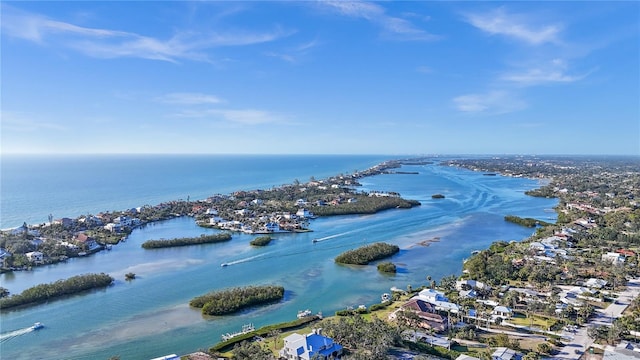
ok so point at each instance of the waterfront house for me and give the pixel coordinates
(35, 257)
(65, 222)
(86, 242)
(438, 299)
(426, 312)
(431, 295)
(313, 345)
(304, 213)
(113, 227)
(271, 227)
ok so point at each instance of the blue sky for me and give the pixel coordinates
(322, 77)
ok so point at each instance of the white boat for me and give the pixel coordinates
(37, 326)
(304, 313)
(385, 297)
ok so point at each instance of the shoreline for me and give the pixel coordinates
(217, 211)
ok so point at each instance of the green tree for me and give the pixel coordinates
(544, 348)
(251, 351)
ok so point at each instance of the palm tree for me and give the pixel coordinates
(275, 334)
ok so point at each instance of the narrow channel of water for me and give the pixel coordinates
(150, 317)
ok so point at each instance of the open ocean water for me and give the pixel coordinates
(150, 317)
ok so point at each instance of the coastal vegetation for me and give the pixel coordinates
(261, 241)
(232, 300)
(363, 339)
(367, 254)
(528, 222)
(264, 331)
(597, 214)
(44, 292)
(387, 267)
(202, 239)
(365, 205)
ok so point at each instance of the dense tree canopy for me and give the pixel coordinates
(231, 300)
(44, 292)
(367, 254)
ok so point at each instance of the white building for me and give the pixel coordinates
(613, 258)
(35, 257)
(437, 298)
(313, 345)
(503, 353)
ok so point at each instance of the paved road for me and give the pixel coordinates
(581, 342)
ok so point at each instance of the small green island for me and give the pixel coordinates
(366, 254)
(528, 222)
(45, 292)
(233, 300)
(203, 239)
(261, 241)
(387, 267)
(437, 196)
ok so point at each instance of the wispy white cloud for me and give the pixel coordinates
(492, 102)
(19, 122)
(235, 116)
(395, 27)
(189, 99)
(517, 26)
(293, 55)
(552, 72)
(107, 43)
(249, 116)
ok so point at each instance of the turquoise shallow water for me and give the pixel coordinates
(149, 316)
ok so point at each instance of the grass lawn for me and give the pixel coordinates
(536, 321)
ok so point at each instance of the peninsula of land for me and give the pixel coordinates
(288, 208)
(571, 288)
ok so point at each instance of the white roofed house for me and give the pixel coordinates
(502, 312)
(304, 213)
(438, 299)
(595, 283)
(310, 346)
(613, 257)
(503, 353)
(35, 257)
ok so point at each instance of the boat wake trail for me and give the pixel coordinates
(239, 261)
(14, 334)
(332, 236)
